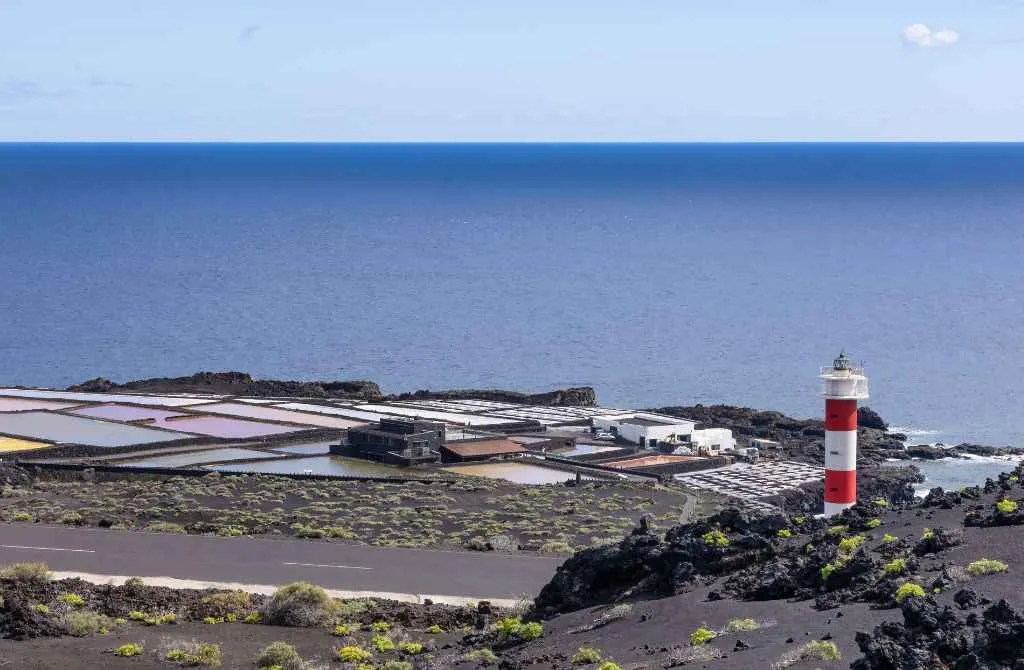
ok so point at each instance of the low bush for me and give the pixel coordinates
(608, 665)
(395, 664)
(873, 523)
(22, 516)
(818, 650)
(35, 573)
(434, 630)
(382, 643)
(41, 609)
(738, 625)
(253, 617)
(848, 545)
(166, 527)
(380, 626)
(81, 623)
(702, 635)
(410, 648)
(586, 656)
(837, 530)
(513, 628)
(1006, 506)
(354, 654)
(280, 655)
(71, 600)
(481, 656)
(715, 538)
(72, 519)
(785, 534)
(297, 604)
(986, 566)
(128, 650)
(909, 590)
(223, 604)
(557, 549)
(890, 539)
(197, 655)
(896, 566)
(344, 629)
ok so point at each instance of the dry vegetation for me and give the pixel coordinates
(472, 513)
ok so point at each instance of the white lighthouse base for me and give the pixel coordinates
(831, 509)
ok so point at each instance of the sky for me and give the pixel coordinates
(532, 70)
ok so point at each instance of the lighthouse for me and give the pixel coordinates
(844, 385)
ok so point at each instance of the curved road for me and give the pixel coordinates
(251, 560)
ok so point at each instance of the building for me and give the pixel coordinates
(712, 441)
(646, 430)
(481, 450)
(398, 441)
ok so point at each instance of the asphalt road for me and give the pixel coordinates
(250, 560)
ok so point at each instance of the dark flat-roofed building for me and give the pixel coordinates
(480, 450)
(398, 441)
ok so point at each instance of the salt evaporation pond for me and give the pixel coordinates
(517, 473)
(193, 457)
(318, 465)
(309, 449)
(585, 449)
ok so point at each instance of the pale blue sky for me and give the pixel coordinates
(554, 70)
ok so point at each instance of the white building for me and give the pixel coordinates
(646, 430)
(713, 440)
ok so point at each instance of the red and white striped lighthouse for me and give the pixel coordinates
(844, 384)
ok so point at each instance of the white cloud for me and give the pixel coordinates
(920, 35)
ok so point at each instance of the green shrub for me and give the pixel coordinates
(799, 520)
(35, 573)
(702, 635)
(715, 538)
(848, 545)
(434, 630)
(880, 502)
(136, 615)
(353, 654)
(297, 604)
(72, 600)
(586, 656)
(223, 604)
(22, 516)
(230, 531)
(785, 533)
(889, 539)
(202, 654)
(608, 665)
(166, 527)
(382, 643)
(909, 590)
(820, 650)
(119, 621)
(282, 655)
(836, 530)
(828, 569)
(41, 609)
(252, 618)
(81, 623)
(128, 650)
(393, 664)
(1006, 506)
(344, 629)
(531, 631)
(72, 519)
(873, 523)
(410, 648)
(738, 625)
(986, 566)
(482, 656)
(928, 534)
(134, 584)
(557, 549)
(896, 566)
(211, 620)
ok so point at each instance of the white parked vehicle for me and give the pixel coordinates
(604, 435)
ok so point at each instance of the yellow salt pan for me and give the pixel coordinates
(8, 444)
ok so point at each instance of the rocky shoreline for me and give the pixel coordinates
(242, 384)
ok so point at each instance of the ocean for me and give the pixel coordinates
(659, 274)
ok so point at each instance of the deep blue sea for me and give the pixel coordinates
(660, 274)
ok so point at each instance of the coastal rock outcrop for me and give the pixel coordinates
(237, 383)
(583, 396)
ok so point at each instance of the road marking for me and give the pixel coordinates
(18, 546)
(321, 565)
